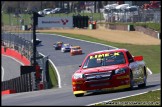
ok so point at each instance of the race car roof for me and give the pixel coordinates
(59, 42)
(75, 47)
(66, 44)
(112, 50)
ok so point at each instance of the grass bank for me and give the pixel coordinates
(53, 80)
(151, 98)
(151, 53)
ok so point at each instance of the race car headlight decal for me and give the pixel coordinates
(120, 71)
(78, 75)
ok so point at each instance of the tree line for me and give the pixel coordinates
(23, 6)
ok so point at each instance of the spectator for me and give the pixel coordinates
(30, 26)
(22, 21)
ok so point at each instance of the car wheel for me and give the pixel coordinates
(131, 82)
(79, 95)
(144, 81)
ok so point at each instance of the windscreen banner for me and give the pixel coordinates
(55, 22)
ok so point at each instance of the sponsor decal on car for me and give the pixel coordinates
(98, 56)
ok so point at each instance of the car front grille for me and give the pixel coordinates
(98, 76)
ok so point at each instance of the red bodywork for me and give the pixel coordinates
(75, 50)
(107, 77)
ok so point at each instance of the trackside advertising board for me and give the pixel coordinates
(49, 22)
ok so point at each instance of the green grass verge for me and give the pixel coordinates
(151, 98)
(53, 81)
(151, 53)
(9, 19)
(151, 25)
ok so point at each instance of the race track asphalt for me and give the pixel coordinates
(11, 68)
(66, 66)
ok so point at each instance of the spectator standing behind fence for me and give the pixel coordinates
(30, 26)
(22, 22)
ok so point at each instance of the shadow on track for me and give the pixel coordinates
(117, 91)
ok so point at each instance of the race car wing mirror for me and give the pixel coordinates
(138, 58)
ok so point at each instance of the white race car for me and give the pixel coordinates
(66, 48)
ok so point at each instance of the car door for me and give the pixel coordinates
(134, 66)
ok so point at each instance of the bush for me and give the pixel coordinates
(154, 26)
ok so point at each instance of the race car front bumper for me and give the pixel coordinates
(115, 83)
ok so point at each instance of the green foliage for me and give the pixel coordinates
(10, 19)
(53, 82)
(151, 98)
(154, 26)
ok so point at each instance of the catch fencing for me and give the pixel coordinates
(151, 15)
(18, 43)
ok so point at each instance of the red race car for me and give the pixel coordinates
(109, 70)
(75, 50)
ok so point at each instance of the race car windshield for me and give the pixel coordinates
(66, 45)
(107, 59)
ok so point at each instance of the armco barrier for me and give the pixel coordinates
(8, 92)
(15, 54)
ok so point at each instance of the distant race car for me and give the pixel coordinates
(66, 48)
(57, 45)
(75, 50)
(38, 41)
(108, 70)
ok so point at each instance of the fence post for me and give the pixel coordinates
(34, 84)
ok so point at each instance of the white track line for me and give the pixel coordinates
(149, 71)
(58, 75)
(121, 97)
(81, 40)
(2, 73)
(13, 59)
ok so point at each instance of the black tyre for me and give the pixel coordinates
(131, 82)
(79, 95)
(144, 80)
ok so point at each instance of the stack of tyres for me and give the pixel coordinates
(80, 21)
(94, 25)
(90, 25)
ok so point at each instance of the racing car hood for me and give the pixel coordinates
(101, 69)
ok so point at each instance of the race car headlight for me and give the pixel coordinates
(120, 71)
(78, 75)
